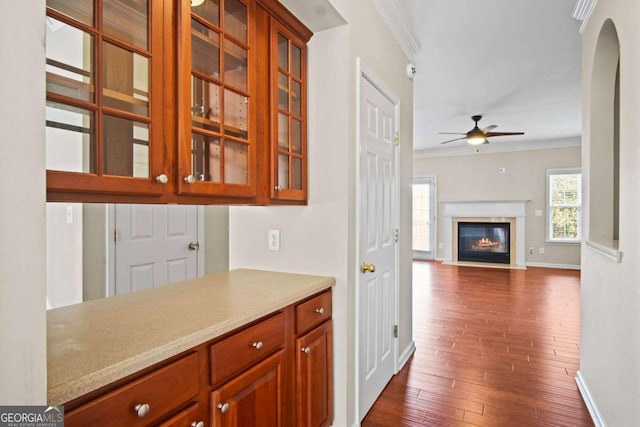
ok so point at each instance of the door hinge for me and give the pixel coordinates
(395, 233)
(396, 139)
(395, 331)
(116, 235)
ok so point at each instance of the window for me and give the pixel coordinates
(564, 205)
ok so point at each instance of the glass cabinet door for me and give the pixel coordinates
(288, 114)
(216, 146)
(102, 121)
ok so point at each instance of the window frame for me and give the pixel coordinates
(550, 205)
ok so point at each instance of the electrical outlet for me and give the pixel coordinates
(530, 251)
(273, 241)
(541, 251)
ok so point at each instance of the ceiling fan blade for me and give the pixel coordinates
(452, 133)
(451, 140)
(503, 133)
(488, 128)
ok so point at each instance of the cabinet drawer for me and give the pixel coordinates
(313, 312)
(244, 348)
(163, 390)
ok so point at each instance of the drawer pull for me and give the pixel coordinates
(224, 407)
(197, 424)
(142, 409)
(320, 310)
(305, 350)
(257, 345)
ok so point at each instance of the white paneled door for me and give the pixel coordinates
(155, 245)
(377, 243)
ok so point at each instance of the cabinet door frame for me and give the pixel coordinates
(275, 192)
(184, 120)
(97, 182)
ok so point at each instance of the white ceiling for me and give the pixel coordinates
(517, 62)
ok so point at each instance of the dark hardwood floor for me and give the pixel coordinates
(494, 348)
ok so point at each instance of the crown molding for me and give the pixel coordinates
(397, 22)
(582, 12)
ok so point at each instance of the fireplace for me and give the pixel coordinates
(484, 242)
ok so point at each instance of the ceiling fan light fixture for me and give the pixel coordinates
(477, 140)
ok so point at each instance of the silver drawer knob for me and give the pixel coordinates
(197, 424)
(257, 345)
(189, 179)
(223, 407)
(320, 310)
(305, 350)
(162, 179)
(142, 409)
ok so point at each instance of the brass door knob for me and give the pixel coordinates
(367, 267)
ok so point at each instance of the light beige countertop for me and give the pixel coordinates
(92, 344)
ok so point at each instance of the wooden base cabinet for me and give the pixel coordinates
(277, 371)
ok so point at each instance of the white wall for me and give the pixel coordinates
(476, 177)
(320, 238)
(23, 369)
(610, 325)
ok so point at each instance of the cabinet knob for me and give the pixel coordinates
(189, 179)
(320, 310)
(197, 424)
(142, 409)
(162, 179)
(277, 188)
(305, 350)
(257, 345)
(223, 407)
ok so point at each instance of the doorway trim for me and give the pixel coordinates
(363, 71)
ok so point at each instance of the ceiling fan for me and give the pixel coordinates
(477, 136)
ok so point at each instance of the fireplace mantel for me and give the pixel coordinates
(488, 210)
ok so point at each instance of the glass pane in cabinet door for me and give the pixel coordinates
(208, 9)
(296, 61)
(126, 80)
(205, 156)
(283, 52)
(69, 138)
(127, 20)
(283, 132)
(283, 91)
(205, 104)
(126, 147)
(69, 61)
(296, 98)
(205, 50)
(235, 114)
(236, 163)
(296, 173)
(79, 10)
(283, 171)
(296, 136)
(235, 65)
(235, 19)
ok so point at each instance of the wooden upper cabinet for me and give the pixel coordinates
(217, 121)
(175, 101)
(104, 96)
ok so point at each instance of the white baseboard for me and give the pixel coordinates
(406, 354)
(548, 265)
(588, 401)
